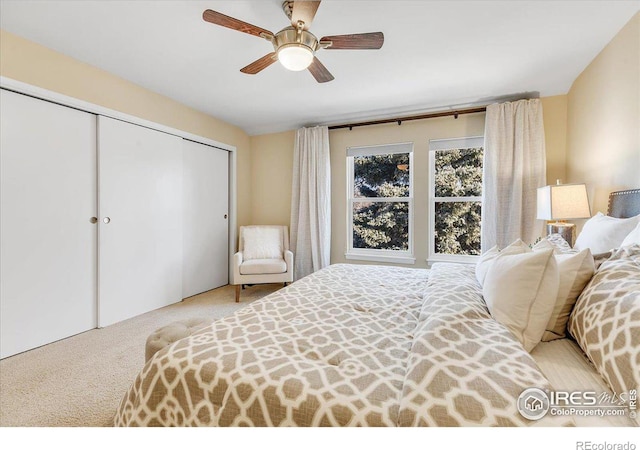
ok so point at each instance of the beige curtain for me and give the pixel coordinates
(311, 201)
(514, 167)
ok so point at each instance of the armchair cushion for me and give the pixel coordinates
(263, 266)
(262, 243)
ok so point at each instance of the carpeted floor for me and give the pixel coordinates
(79, 381)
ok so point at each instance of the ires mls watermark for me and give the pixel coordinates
(535, 403)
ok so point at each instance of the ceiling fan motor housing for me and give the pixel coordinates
(292, 37)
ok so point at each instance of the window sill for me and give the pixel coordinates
(381, 258)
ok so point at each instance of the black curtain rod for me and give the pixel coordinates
(399, 120)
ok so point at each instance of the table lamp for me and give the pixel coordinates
(561, 202)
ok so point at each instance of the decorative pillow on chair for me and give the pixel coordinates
(602, 233)
(606, 320)
(262, 243)
(520, 291)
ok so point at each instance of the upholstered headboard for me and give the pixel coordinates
(624, 204)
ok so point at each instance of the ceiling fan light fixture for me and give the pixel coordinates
(295, 46)
(295, 57)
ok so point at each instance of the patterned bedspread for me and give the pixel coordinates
(349, 345)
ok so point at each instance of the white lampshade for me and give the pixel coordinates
(563, 201)
(295, 56)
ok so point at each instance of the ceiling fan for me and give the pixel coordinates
(295, 46)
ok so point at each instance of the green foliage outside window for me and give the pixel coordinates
(457, 228)
(381, 225)
(458, 173)
(384, 225)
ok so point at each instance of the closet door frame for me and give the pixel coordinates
(64, 100)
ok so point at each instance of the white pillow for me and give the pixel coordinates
(602, 233)
(575, 271)
(633, 237)
(488, 258)
(262, 243)
(520, 291)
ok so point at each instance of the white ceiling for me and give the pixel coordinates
(436, 54)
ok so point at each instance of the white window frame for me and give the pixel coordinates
(447, 144)
(379, 255)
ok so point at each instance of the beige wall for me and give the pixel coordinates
(603, 130)
(34, 64)
(271, 176)
(554, 114)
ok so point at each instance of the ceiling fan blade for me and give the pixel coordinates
(304, 11)
(260, 64)
(361, 41)
(235, 24)
(319, 71)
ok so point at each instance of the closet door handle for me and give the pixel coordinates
(106, 220)
(225, 216)
(93, 220)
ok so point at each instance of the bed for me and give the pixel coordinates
(354, 345)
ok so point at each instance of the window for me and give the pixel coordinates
(455, 198)
(380, 203)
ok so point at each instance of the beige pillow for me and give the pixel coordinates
(488, 258)
(575, 271)
(520, 291)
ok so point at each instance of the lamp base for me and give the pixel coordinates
(566, 230)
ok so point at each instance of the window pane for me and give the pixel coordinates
(458, 172)
(381, 175)
(457, 228)
(381, 225)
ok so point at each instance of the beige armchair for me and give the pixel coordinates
(263, 256)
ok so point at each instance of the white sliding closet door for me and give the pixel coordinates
(140, 228)
(48, 242)
(205, 226)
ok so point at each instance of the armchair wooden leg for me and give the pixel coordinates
(237, 293)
